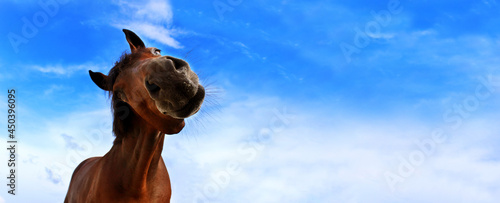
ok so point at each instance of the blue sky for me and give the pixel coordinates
(305, 121)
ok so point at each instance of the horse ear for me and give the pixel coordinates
(100, 80)
(133, 40)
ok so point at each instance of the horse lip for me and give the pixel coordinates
(193, 103)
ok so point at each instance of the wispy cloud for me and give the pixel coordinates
(52, 89)
(53, 176)
(58, 69)
(335, 159)
(66, 70)
(152, 20)
(155, 32)
(53, 146)
(70, 142)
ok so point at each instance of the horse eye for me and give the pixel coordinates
(157, 52)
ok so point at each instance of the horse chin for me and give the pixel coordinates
(176, 129)
(169, 125)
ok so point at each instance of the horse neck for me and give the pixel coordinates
(140, 153)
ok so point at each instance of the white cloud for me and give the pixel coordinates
(490, 3)
(312, 156)
(67, 70)
(154, 10)
(330, 159)
(51, 147)
(155, 32)
(385, 36)
(58, 70)
(43, 174)
(152, 20)
(52, 89)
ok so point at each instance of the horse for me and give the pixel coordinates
(151, 95)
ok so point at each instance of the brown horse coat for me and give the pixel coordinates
(151, 96)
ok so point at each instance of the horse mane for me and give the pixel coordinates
(123, 114)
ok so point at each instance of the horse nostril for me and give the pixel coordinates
(179, 64)
(152, 88)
